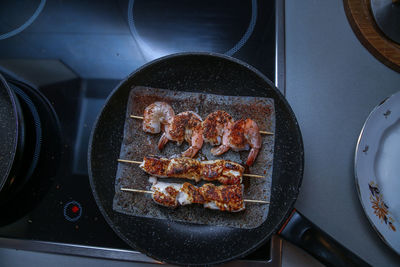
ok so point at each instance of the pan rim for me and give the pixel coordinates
(291, 201)
(11, 96)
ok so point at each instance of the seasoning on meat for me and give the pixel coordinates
(223, 171)
(219, 129)
(215, 125)
(222, 197)
(185, 126)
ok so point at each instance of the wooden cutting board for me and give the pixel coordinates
(360, 17)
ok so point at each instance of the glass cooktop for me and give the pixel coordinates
(75, 52)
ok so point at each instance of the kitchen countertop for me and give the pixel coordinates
(332, 83)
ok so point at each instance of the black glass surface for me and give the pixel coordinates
(99, 44)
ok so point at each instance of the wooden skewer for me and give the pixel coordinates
(129, 161)
(151, 192)
(139, 162)
(256, 201)
(253, 175)
(141, 118)
(136, 117)
(137, 190)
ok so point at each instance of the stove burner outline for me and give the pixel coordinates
(26, 23)
(230, 52)
(248, 32)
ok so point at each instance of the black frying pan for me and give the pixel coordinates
(12, 138)
(185, 243)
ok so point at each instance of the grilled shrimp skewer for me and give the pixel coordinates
(185, 126)
(218, 129)
(148, 125)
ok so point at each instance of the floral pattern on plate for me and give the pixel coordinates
(380, 208)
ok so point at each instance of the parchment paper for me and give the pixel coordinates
(137, 144)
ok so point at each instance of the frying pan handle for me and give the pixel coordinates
(303, 233)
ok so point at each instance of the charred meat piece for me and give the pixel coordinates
(223, 197)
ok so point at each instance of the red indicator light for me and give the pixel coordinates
(75, 209)
(72, 210)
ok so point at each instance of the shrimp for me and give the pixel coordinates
(185, 126)
(156, 115)
(215, 125)
(241, 135)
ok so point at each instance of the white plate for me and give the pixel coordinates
(377, 170)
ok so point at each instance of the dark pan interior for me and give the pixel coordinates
(185, 243)
(8, 130)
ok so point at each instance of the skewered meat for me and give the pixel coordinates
(223, 171)
(218, 128)
(223, 197)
